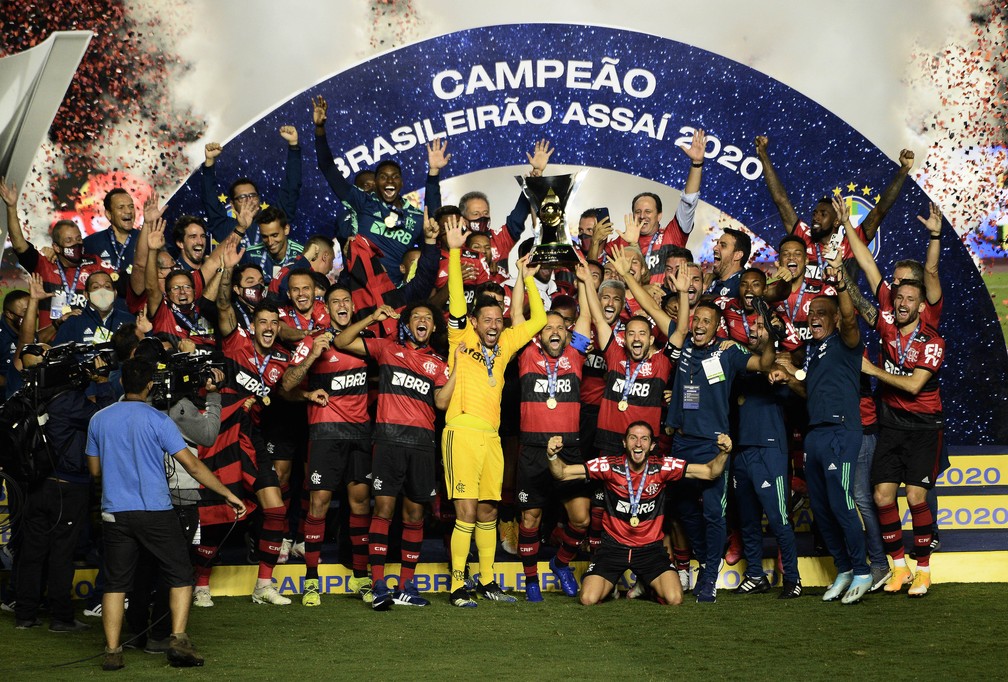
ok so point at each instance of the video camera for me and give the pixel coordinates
(70, 365)
(183, 375)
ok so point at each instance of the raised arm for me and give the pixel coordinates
(227, 321)
(850, 331)
(677, 339)
(621, 263)
(603, 332)
(582, 325)
(455, 237)
(290, 189)
(9, 193)
(518, 292)
(155, 241)
(932, 284)
(293, 376)
(773, 183)
(871, 222)
(326, 163)
(350, 341)
(29, 323)
(862, 255)
(695, 152)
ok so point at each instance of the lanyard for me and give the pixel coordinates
(650, 246)
(245, 317)
(635, 496)
(297, 320)
(745, 322)
(66, 285)
(551, 374)
(261, 368)
(488, 358)
(822, 263)
(901, 352)
(628, 380)
(182, 318)
(119, 252)
(792, 313)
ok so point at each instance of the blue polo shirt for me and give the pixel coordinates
(130, 438)
(833, 382)
(710, 417)
(104, 246)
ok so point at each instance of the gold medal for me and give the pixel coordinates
(391, 220)
(741, 400)
(66, 309)
(492, 381)
(551, 403)
(114, 276)
(266, 400)
(800, 375)
(634, 521)
(623, 405)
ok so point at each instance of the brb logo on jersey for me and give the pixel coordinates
(411, 383)
(347, 381)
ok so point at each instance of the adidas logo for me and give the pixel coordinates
(400, 355)
(433, 493)
(766, 484)
(927, 479)
(831, 467)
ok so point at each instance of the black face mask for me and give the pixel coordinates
(74, 254)
(254, 294)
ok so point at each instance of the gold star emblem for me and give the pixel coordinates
(877, 198)
(263, 205)
(851, 187)
(222, 198)
(836, 191)
(866, 190)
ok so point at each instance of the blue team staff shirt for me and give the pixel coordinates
(711, 417)
(130, 439)
(760, 412)
(89, 327)
(833, 382)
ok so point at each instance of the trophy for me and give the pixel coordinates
(549, 197)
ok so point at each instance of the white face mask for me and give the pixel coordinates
(102, 299)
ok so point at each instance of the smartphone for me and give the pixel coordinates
(833, 247)
(602, 213)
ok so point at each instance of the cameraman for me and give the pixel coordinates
(149, 598)
(126, 445)
(56, 508)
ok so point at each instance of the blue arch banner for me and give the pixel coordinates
(621, 100)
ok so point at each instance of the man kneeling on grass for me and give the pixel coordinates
(634, 485)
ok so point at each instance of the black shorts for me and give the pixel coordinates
(159, 532)
(909, 457)
(407, 469)
(335, 463)
(612, 559)
(536, 486)
(284, 431)
(587, 430)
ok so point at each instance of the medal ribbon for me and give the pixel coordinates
(635, 496)
(628, 381)
(551, 374)
(797, 306)
(901, 352)
(119, 252)
(488, 358)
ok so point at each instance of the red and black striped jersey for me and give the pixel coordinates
(593, 374)
(929, 318)
(408, 378)
(194, 325)
(644, 395)
(612, 471)
(901, 355)
(70, 294)
(538, 420)
(345, 415)
(254, 374)
(317, 317)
